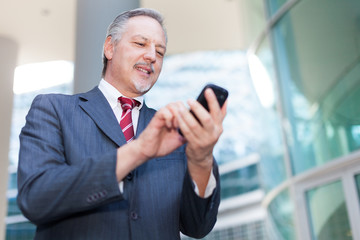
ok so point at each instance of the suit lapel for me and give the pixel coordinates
(96, 106)
(145, 117)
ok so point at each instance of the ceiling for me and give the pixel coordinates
(45, 30)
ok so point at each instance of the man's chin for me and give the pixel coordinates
(143, 88)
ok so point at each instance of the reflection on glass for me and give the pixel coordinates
(318, 64)
(272, 153)
(274, 5)
(261, 81)
(328, 213)
(357, 179)
(281, 222)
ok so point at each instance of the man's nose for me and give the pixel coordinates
(150, 54)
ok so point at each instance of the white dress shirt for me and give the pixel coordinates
(112, 94)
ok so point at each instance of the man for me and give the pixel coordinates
(82, 177)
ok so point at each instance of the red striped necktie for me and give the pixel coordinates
(127, 104)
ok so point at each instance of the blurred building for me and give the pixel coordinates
(289, 156)
(310, 50)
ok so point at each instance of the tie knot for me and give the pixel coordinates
(128, 103)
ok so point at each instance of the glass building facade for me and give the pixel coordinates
(311, 53)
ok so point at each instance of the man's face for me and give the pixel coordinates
(135, 61)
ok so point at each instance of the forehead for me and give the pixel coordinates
(145, 26)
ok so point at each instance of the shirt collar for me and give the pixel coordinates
(112, 94)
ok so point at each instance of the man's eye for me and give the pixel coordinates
(160, 53)
(140, 44)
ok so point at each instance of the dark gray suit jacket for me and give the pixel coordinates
(67, 183)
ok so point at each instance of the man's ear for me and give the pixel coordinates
(108, 48)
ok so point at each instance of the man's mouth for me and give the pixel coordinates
(147, 68)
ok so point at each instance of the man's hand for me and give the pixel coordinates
(201, 136)
(159, 138)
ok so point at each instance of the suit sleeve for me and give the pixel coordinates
(198, 215)
(50, 187)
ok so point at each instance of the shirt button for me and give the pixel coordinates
(134, 215)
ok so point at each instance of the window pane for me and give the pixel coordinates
(20, 231)
(316, 52)
(273, 170)
(239, 181)
(328, 213)
(357, 179)
(281, 222)
(13, 208)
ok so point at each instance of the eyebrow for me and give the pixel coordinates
(147, 40)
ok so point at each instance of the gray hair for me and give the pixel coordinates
(117, 27)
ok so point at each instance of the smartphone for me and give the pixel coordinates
(220, 93)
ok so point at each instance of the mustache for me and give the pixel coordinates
(149, 65)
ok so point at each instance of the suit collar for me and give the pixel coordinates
(96, 106)
(112, 94)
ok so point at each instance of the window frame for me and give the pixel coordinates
(345, 170)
